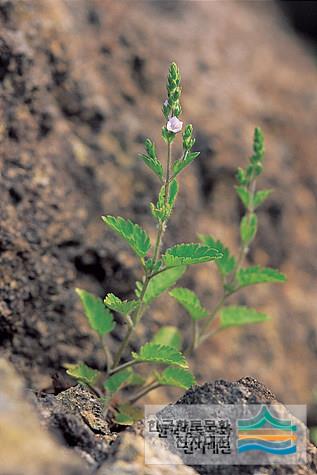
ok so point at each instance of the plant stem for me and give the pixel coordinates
(107, 354)
(244, 249)
(144, 391)
(124, 366)
(140, 310)
(212, 315)
(162, 225)
(195, 337)
(138, 314)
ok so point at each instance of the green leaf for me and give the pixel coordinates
(160, 354)
(190, 302)
(258, 275)
(182, 163)
(178, 377)
(115, 382)
(125, 307)
(82, 373)
(153, 163)
(128, 414)
(123, 378)
(186, 254)
(151, 160)
(169, 336)
(244, 195)
(248, 228)
(235, 316)
(260, 197)
(160, 283)
(135, 236)
(172, 194)
(99, 317)
(227, 262)
(123, 419)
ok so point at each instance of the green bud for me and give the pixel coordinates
(241, 176)
(258, 145)
(150, 148)
(188, 140)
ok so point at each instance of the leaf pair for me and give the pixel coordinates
(246, 197)
(164, 208)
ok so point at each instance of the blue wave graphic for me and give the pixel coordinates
(257, 446)
(266, 443)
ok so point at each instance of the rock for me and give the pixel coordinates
(76, 416)
(26, 448)
(245, 391)
(128, 459)
(80, 90)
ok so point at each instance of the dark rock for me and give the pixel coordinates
(76, 417)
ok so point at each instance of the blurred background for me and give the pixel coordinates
(81, 86)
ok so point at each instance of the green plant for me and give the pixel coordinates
(162, 269)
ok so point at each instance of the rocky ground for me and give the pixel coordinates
(80, 89)
(72, 438)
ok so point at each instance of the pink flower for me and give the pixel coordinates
(174, 125)
(166, 102)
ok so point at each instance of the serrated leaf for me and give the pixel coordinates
(125, 307)
(189, 300)
(260, 197)
(99, 317)
(248, 228)
(160, 354)
(160, 283)
(178, 377)
(244, 195)
(258, 275)
(186, 254)
(227, 262)
(135, 236)
(153, 163)
(235, 316)
(82, 373)
(169, 336)
(182, 163)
